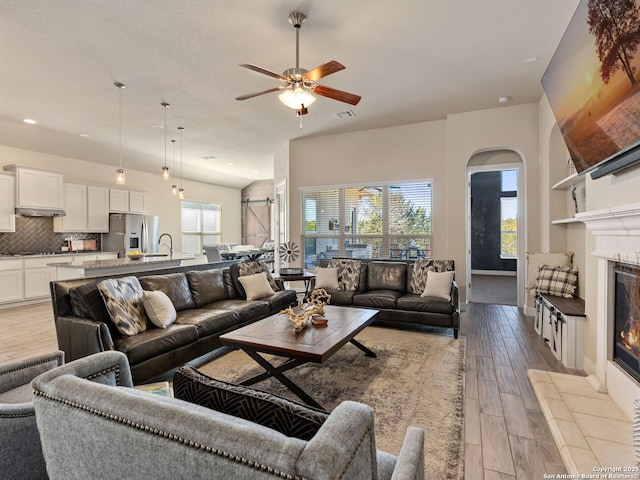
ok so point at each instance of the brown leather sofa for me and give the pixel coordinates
(385, 286)
(207, 302)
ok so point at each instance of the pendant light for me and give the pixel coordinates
(120, 172)
(165, 169)
(174, 187)
(181, 190)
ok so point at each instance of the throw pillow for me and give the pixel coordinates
(159, 308)
(419, 275)
(251, 268)
(123, 298)
(438, 285)
(558, 281)
(327, 278)
(348, 273)
(535, 260)
(272, 411)
(256, 286)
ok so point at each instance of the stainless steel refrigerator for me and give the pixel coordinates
(129, 232)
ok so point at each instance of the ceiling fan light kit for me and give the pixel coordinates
(299, 87)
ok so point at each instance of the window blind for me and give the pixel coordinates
(200, 225)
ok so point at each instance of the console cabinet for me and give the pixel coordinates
(561, 323)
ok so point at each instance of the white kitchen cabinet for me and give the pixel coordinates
(86, 207)
(136, 202)
(38, 188)
(7, 202)
(11, 272)
(97, 209)
(36, 282)
(126, 201)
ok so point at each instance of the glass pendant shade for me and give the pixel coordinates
(120, 179)
(174, 189)
(181, 193)
(165, 173)
(295, 97)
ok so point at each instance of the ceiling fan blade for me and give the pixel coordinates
(255, 68)
(323, 70)
(337, 94)
(256, 94)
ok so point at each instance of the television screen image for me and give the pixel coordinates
(592, 82)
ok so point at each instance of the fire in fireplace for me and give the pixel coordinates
(626, 351)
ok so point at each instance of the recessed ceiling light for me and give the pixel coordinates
(230, 164)
(30, 121)
(83, 134)
(504, 99)
(530, 60)
(156, 125)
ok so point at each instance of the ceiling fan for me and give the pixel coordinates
(298, 84)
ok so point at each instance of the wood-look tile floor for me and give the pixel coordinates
(506, 435)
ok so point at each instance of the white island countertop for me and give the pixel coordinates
(98, 268)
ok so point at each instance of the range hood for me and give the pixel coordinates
(40, 212)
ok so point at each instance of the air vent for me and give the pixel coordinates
(345, 114)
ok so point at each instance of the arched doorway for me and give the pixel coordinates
(495, 227)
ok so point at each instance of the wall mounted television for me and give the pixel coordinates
(593, 86)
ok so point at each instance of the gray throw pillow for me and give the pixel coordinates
(272, 411)
(124, 298)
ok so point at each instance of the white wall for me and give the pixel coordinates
(159, 200)
(438, 150)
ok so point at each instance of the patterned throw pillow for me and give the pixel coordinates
(558, 281)
(251, 268)
(419, 275)
(348, 273)
(124, 298)
(272, 411)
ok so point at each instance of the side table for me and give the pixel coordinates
(305, 277)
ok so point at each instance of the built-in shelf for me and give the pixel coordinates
(565, 220)
(566, 183)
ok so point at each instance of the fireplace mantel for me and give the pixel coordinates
(621, 220)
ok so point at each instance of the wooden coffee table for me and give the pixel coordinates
(274, 335)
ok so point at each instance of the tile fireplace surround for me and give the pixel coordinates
(617, 239)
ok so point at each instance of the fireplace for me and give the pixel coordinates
(626, 328)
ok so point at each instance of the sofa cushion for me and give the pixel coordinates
(208, 321)
(93, 303)
(348, 273)
(438, 285)
(256, 286)
(246, 309)
(416, 303)
(287, 417)
(207, 286)
(123, 299)
(377, 299)
(156, 341)
(340, 297)
(280, 300)
(327, 278)
(387, 276)
(174, 285)
(159, 308)
(558, 281)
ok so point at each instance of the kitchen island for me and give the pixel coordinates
(117, 266)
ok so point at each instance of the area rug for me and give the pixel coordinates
(417, 379)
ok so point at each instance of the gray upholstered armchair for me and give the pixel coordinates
(20, 450)
(114, 432)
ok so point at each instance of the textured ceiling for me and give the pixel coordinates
(411, 61)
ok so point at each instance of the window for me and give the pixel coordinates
(509, 215)
(200, 225)
(368, 221)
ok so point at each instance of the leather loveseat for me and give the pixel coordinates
(390, 287)
(209, 302)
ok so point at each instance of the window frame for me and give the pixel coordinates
(200, 233)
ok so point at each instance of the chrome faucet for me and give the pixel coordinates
(170, 242)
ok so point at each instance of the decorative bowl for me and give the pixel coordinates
(134, 256)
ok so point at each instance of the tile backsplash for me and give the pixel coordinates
(36, 235)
